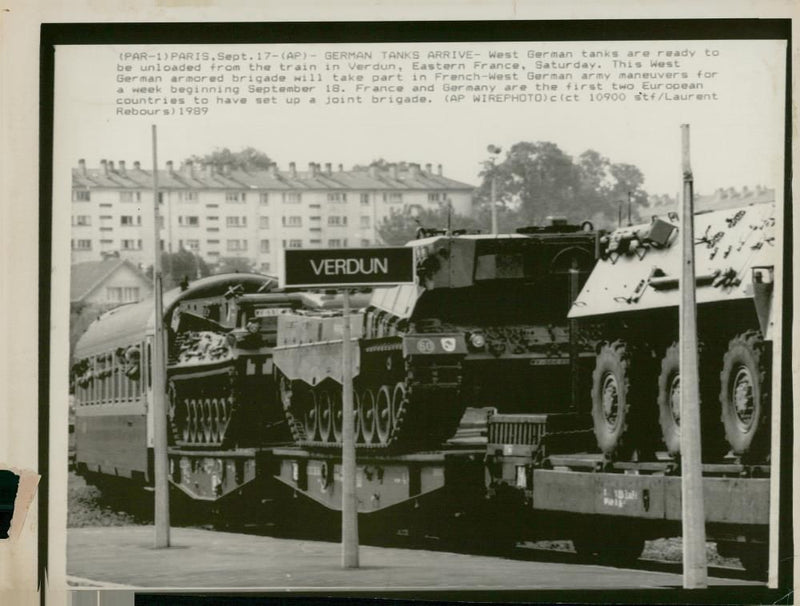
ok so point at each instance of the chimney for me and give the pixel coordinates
(414, 168)
(82, 166)
(122, 168)
(428, 167)
(111, 166)
(373, 171)
(439, 169)
(104, 164)
(393, 169)
(169, 167)
(137, 165)
(226, 169)
(272, 171)
(341, 168)
(328, 168)
(293, 169)
(312, 169)
(746, 191)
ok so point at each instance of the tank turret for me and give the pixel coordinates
(630, 305)
(484, 324)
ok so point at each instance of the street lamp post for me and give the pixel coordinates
(494, 151)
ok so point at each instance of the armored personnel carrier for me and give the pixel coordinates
(484, 325)
(630, 305)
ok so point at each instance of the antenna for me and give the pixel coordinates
(619, 214)
(629, 209)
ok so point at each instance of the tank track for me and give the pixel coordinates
(426, 413)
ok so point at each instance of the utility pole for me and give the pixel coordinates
(349, 500)
(695, 570)
(494, 151)
(158, 372)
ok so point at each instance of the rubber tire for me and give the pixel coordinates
(670, 428)
(629, 431)
(745, 350)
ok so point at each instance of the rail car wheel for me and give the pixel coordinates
(743, 393)
(325, 415)
(383, 414)
(310, 417)
(366, 407)
(669, 399)
(618, 382)
(337, 412)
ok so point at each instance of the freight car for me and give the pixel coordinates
(484, 325)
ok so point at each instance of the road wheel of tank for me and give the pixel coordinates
(366, 407)
(310, 417)
(383, 414)
(191, 421)
(336, 413)
(611, 400)
(398, 403)
(325, 415)
(743, 394)
(669, 399)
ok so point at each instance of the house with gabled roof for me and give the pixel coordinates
(108, 283)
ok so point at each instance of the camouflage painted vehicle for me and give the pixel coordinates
(484, 325)
(630, 305)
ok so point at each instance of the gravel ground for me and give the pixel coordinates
(89, 507)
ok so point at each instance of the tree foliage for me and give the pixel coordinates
(180, 266)
(229, 265)
(248, 158)
(539, 179)
(382, 164)
(402, 227)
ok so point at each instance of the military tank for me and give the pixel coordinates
(630, 306)
(484, 325)
(219, 368)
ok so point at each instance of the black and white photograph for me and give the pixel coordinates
(368, 308)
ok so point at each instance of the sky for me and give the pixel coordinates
(735, 141)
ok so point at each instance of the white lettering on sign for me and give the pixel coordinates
(349, 267)
(619, 497)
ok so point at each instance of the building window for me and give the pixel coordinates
(365, 221)
(81, 195)
(263, 222)
(212, 218)
(132, 244)
(160, 221)
(335, 243)
(365, 243)
(235, 221)
(315, 241)
(188, 196)
(193, 245)
(265, 267)
(315, 205)
(436, 197)
(212, 205)
(81, 220)
(81, 245)
(234, 196)
(392, 197)
(127, 220)
(335, 220)
(364, 199)
(212, 242)
(337, 197)
(126, 196)
(189, 221)
(212, 229)
(293, 221)
(122, 294)
(237, 245)
(263, 198)
(291, 197)
(293, 244)
(264, 246)
(161, 197)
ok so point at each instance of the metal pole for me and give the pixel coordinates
(695, 572)
(494, 201)
(574, 277)
(349, 501)
(158, 370)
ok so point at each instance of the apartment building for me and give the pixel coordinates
(249, 214)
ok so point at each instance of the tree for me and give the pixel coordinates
(382, 164)
(234, 264)
(539, 179)
(179, 266)
(402, 227)
(248, 158)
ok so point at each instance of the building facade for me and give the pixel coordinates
(254, 215)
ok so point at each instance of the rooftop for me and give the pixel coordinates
(192, 176)
(85, 277)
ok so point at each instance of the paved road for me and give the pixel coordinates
(209, 559)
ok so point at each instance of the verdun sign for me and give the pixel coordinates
(345, 267)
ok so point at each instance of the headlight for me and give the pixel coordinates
(477, 340)
(253, 326)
